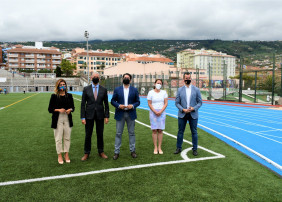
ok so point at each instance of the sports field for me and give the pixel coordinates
(30, 171)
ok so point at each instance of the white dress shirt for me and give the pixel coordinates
(126, 93)
(188, 95)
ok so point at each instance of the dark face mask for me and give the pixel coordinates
(95, 80)
(126, 81)
(187, 82)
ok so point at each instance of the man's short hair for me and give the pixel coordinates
(128, 75)
(186, 73)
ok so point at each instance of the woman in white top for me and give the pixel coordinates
(157, 101)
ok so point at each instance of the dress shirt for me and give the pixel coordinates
(93, 88)
(126, 93)
(188, 95)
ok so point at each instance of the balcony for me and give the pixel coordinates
(56, 62)
(31, 66)
(13, 60)
(13, 55)
(29, 61)
(14, 65)
(29, 56)
(41, 61)
(40, 56)
(56, 57)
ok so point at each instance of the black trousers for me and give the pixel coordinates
(88, 134)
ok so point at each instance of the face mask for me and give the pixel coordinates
(158, 86)
(62, 88)
(95, 80)
(126, 81)
(187, 82)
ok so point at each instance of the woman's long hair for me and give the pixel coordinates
(57, 85)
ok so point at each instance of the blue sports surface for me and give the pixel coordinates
(255, 130)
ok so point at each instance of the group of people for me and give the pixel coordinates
(125, 99)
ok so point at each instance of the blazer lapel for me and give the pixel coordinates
(122, 95)
(184, 96)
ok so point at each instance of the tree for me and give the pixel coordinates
(67, 68)
(58, 71)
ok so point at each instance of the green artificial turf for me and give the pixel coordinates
(28, 151)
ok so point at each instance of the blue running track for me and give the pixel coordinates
(253, 129)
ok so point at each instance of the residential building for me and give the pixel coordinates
(141, 65)
(98, 60)
(33, 57)
(207, 59)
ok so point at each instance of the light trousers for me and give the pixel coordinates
(62, 134)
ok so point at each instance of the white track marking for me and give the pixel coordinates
(183, 155)
(244, 146)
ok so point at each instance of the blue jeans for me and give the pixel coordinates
(119, 130)
(181, 128)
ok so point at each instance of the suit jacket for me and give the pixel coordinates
(53, 104)
(118, 98)
(90, 106)
(195, 101)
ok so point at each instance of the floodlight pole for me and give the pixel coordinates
(86, 34)
(273, 79)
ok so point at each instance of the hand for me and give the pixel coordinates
(158, 113)
(68, 111)
(106, 120)
(186, 111)
(121, 107)
(62, 110)
(83, 121)
(129, 106)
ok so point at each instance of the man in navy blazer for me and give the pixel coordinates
(188, 101)
(125, 99)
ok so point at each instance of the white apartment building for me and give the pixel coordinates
(202, 59)
(98, 60)
(33, 57)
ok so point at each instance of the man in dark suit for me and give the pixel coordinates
(94, 107)
(125, 99)
(188, 101)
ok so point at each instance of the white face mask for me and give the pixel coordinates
(158, 86)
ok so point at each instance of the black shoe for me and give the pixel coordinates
(116, 156)
(195, 153)
(134, 155)
(177, 151)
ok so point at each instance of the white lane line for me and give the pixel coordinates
(183, 155)
(235, 127)
(242, 145)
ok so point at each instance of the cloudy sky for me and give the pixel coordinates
(43, 20)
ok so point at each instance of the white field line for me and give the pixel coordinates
(2, 108)
(247, 148)
(235, 127)
(183, 155)
(238, 143)
(235, 120)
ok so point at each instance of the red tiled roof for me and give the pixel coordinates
(30, 50)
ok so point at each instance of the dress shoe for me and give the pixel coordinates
(134, 155)
(195, 153)
(115, 157)
(103, 155)
(177, 151)
(85, 157)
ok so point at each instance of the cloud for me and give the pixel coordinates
(44, 20)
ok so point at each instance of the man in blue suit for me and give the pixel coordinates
(188, 101)
(125, 99)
